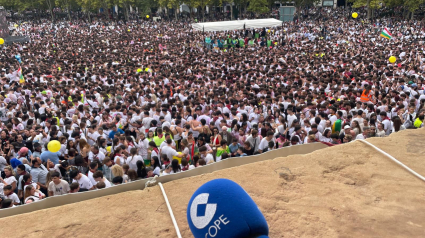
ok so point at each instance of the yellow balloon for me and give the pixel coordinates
(354, 15)
(147, 16)
(129, 30)
(392, 59)
(54, 146)
(16, 25)
(1, 41)
(108, 149)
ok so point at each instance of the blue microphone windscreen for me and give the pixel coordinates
(221, 208)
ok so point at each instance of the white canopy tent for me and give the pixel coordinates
(236, 25)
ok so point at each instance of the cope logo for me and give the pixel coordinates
(202, 213)
(201, 221)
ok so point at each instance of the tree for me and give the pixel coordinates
(104, 4)
(258, 6)
(51, 5)
(87, 6)
(175, 4)
(10, 5)
(126, 5)
(66, 5)
(412, 6)
(369, 4)
(145, 6)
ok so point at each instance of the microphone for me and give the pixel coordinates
(221, 208)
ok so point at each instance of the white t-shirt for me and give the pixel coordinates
(14, 198)
(254, 116)
(264, 144)
(107, 183)
(290, 119)
(132, 161)
(59, 189)
(209, 158)
(100, 156)
(169, 151)
(3, 163)
(157, 171)
(91, 138)
(90, 176)
(164, 143)
(387, 126)
(84, 182)
(10, 180)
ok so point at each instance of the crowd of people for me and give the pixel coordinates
(135, 100)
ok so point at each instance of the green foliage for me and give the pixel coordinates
(410, 5)
(413, 5)
(258, 6)
(374, 4)
(145, 6)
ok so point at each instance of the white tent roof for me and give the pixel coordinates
(236, 25)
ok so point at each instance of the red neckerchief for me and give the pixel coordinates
(156, 150)
(185, 168)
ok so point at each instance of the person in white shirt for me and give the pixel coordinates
(386, 122)
(209, 158)
(147, 120)
(291, 117)
(93, 168)
(143, 146)
(133, 158)
(264, 144)
(96, 154)
(170, 151)
(98, 177)
(364, 134)
(57, 186)
(92, 135)
(81, 179)
(164, 143)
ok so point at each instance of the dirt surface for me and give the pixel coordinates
(343, 191)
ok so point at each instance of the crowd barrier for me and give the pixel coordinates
(140, 184)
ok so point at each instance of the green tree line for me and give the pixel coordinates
(144, 6)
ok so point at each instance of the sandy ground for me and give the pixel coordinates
(343, 191)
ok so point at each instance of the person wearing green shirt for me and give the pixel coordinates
(234, 43)
(222, 149)
(208, 42)
(241, 42)
(159, 138)
(269, 43)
